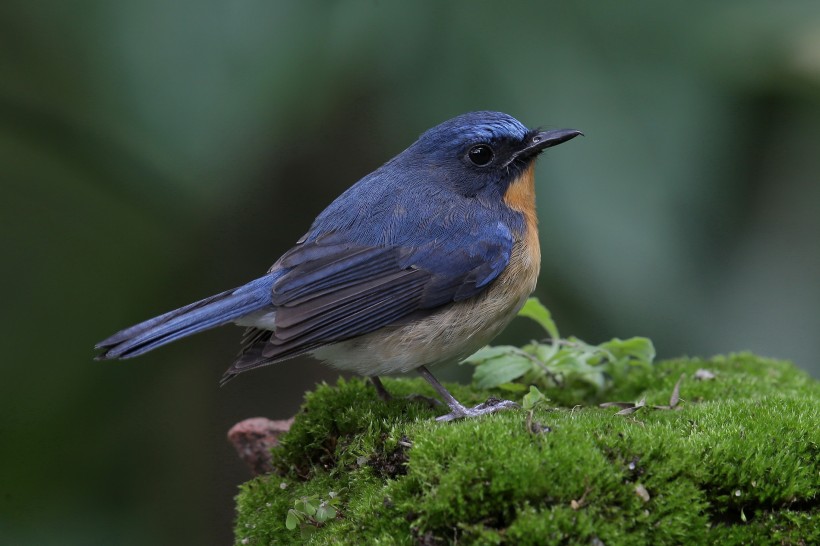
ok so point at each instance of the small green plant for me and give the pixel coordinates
(533, 399)
(555, 361)
(311, 512)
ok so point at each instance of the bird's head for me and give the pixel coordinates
(482, 153)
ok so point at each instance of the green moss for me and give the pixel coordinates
(736, 464)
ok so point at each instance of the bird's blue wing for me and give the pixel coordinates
(333, 289)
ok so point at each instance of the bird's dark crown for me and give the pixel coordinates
(479, 152)
(475, 127)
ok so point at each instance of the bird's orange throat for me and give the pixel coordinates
(520, 194)
(520, 197)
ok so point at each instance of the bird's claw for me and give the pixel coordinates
(492, 405)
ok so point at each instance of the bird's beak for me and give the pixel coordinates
(540, 141)
(546, 139)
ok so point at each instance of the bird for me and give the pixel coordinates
(421, 262)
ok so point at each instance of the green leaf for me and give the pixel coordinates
(306, 505)
(512, 387)
(533, 398)
(535, 310)
(500, 370)
(542, 352)
(325, 512)
(566, 360)
(488, 353)
(292, 521)
(638, 348)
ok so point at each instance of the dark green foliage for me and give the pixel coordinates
(736, 464)
(579, 369)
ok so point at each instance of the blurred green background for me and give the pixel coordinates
(153, 153)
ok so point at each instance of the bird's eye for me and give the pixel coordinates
(481, 154)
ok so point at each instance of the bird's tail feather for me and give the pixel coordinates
(193, 318)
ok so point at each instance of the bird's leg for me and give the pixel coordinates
(457, 411)
(385, 395)
(380, 390)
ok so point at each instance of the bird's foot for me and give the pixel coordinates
(492, 405)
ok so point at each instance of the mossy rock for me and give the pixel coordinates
(737, 462)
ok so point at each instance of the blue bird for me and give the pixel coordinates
(423, 261)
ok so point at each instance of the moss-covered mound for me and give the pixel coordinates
(737, 463)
